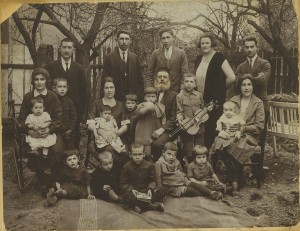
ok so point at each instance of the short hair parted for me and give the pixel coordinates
(163, 69)
(35, 100)
(189, 75)
(166, 29)
(104, 156)
(136, 145)
(40, 71)
(71, 152)
(123, 32)
(56, 80)
(105, 108)
(131, 97)
(240, 79)
(170, 146)
(199, 150)
(250, 38)
(67, 40)
(209, 35)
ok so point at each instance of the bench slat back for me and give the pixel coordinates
(284, 119)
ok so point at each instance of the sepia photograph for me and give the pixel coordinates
(150, 115)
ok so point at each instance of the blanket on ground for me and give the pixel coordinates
(197, 212)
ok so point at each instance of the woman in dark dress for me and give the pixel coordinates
(46, 169)
(214, 76)
(108, 89)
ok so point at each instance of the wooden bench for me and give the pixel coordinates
(283, 122)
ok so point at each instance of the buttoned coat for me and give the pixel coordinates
(261, 83)
(177, 65)
(132, 83)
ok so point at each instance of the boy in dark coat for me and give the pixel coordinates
(138, 176)
(104, 181)
(69, 116)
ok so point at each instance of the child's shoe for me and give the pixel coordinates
(59, 193)
(44, 156)
(137, 209)
(216, 195)
(156, 206)
(51, 199)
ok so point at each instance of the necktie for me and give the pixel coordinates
(124, 57)
(250, 62)
(167, 55)
(67, 68)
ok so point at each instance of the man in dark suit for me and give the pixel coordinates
(256, 66)
(166, 97)
(124, 67)
(75, 75)
(169, 56)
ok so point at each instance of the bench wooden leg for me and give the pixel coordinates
(275, 147)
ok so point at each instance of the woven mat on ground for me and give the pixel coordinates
(197, 212)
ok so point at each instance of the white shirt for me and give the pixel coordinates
(121, 54)
(252, 60)
(36, 93)
(63, 62)
(168, 53)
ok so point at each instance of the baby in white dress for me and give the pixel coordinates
(38, 121)
(106, 128)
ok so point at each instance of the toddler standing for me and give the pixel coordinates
(128, 123)
(106, 131)
(151, 117)
(69, 116)
(171, 179)
(38, 121)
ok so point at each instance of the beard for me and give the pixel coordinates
(162, 86)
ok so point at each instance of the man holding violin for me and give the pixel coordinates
(189, 101)
(168, 98)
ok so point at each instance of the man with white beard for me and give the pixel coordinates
(166, 97)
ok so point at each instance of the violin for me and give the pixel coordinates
(191, 125)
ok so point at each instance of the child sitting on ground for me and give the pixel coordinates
(38, 121)
(105, 131)
(171, 179)
(72, 182)
(104, 181)
(151, 116)
(228, 119)
(200, 170)
(69, 116)
(138, 177)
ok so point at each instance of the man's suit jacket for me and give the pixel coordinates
(77, 87)
(177, 65)
(261, 83)
(133, 83)
(169, 100)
